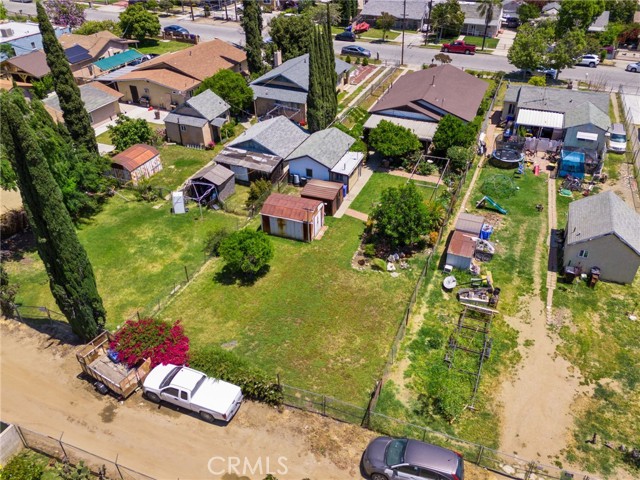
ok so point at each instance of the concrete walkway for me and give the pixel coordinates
(505, 40)
(552, 242)
(356, 214)
(367, 172)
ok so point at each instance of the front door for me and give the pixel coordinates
(134, 93)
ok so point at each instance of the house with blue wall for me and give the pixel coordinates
(24, 37)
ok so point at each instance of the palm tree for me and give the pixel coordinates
(485, 8)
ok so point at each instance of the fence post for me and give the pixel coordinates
(118, 468)
(186, 272)
(480, 453)
(66, 457)
(19, 430)
(324, 405)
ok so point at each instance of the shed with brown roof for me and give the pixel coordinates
(329, 193)
(292, 217)
(428, 95)
(462, 248)
(135, 163)
(27, 68)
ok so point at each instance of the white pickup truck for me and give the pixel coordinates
(185, 387)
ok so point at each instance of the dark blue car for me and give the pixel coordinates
(176, 29)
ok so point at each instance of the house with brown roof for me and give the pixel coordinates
(170, 79)
(420, 99)
(137, 162)
(292, 217)
(83, 51)
(26, 68)
(100, 101)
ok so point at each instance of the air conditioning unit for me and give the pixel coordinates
(6, 32)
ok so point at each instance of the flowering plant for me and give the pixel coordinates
(154, 339)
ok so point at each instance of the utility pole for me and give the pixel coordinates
(192, 16)
(404, 20)
(426, 34)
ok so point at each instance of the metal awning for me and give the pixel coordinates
(587, 136)
(540, 118)
(117, 60)
(423, 130)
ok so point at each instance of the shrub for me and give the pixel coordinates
(379, 264)
(228, 129)
(369, 250)
(26, 465)
(258, 192)
(254, 382)
(538, 81)
(357, 60)
(365, 61)
(433, 238)
(151, 338)
(247, 252)
(214, 239)
(348, 59)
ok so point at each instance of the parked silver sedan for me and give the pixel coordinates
(633, 67)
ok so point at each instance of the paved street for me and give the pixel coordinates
(414, 56)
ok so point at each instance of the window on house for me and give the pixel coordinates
(583, 254)
(309, 173)
(33, 44)
(183, 128)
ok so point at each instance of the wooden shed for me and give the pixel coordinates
(135, 163)
(461, 251)
(292, 217)
(470, 223)
(210, 184)
(329, 193)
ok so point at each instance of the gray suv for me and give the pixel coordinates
(389, 459)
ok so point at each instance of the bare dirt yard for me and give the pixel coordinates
(41, 392)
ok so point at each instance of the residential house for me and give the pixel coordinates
(603, 232)
(415, 12)
(551, 9)
(420, 99)
(283, 90)
(24, 37)
(510, 8)
(100, 101)
(27, 68)
(211, 184)
(325, 155)
(83, 51)
(170, 79)
(259, 152)
(198, 121)
(136, 163)
(600, 23)
(292, 217)
(475, 23)
(329, 193)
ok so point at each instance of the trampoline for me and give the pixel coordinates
(509, 152)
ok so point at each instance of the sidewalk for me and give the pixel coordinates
(367, 172)
(505, 40)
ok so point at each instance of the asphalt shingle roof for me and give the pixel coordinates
(416, 9)
(94, 96)
(325, 146)
(277, 136)
(208, 105)
(603, 214)
(587, 113)
(555, 99)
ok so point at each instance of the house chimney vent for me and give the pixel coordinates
(277, 58)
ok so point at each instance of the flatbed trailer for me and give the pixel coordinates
(116, 376)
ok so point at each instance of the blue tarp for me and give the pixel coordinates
(572, 163)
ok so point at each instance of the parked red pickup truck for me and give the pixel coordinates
(459, 47)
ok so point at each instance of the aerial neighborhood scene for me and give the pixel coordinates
(319, 239)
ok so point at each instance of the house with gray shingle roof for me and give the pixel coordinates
(603, 232)
(198, 121)
(100, 101)
(474, 22)
(325, 155)
(416, 12)
(283, 90)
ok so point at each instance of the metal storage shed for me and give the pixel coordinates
(462, 247)
(470, 223)
(212, 183)
(292, 217)
(330, 193)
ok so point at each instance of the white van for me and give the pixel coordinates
(617, 138)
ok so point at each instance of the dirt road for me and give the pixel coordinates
(40, 391)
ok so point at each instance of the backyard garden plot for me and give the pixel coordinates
(138, 250)
(323, 325)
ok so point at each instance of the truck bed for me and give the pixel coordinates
(105, 368)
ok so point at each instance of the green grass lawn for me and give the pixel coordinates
(612, 165)
(371, 34)
(158, 47)
(105, 137)
(369, 197)
(179, 163)
(137, 249)
(322, 324)
(489, 43)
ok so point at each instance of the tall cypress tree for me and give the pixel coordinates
(315, 97)
(331, 78)
(74, 112)
(70, 274)
(252, 25)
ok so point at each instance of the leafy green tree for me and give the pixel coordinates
(401, 217)
(42, 87)
(611, 36)
(167, 5)
(7, 49)
(252, 25)
(392, 140)
(247, 252)
(3, 12)
(136, 22)
(459, 157)
(232, 88)
(578, 14)
(385, 22)
(67, 13)
(129, 131)
(74, 113)
(292, 35)
(7, 175)
(568, 47)
(447, 17)
(452, 132)
(487, 8)
(70, 274)
(621, 11)
(320, 12)
(529, 47)
(528, 11)
(8, 293)
(94, 26)
(346, 12)
(258, 191)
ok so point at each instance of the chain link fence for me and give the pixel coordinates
(65, 452)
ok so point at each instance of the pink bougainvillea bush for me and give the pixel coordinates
(160, 341)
